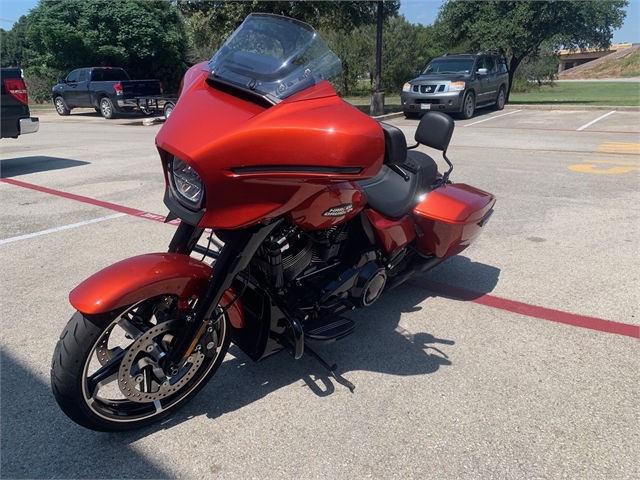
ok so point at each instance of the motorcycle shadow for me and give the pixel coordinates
(379, 344)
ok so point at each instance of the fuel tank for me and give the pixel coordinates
(259, 161)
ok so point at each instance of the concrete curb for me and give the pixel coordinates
(573, 107)
(389, 116)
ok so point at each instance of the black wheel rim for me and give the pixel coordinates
(102, 373)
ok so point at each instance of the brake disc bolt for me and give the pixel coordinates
(190, 359)
(210, 345)
(198, 348)
(174, 371)
(149, 348)
(165, 384)
(210, 329)
(139, 379)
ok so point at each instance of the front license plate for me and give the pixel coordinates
(425, 106)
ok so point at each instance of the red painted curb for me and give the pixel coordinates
(99, 203)
(592, 323)
(549, 314)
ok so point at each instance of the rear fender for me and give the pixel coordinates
(145, 276)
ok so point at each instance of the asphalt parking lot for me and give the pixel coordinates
(517, 359)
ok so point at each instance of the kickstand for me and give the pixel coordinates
(331, 369)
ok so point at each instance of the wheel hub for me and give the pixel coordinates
(141, 378)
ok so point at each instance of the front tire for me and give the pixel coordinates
(106, 108)
(61, 107)
(106, 373)
(468, 106)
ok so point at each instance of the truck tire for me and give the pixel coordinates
(61, 106)
(106, 108)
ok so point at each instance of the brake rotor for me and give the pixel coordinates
(134, 374)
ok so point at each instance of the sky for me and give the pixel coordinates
(415, 11)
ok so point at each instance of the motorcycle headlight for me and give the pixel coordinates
(186, 184)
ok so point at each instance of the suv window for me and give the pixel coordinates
(490, 64)
(502, 66)
(73, 76)
(83, 76)
(481, 64)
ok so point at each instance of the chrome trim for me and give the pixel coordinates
(29, 125)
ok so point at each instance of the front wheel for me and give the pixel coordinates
(106, 372)
(61, 106)
(468, 106)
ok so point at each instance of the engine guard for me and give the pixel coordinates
(134, 279)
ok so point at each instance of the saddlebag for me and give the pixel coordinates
(450, 218)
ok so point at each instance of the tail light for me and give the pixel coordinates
(118, 88)
(160, 87)
(17, 89)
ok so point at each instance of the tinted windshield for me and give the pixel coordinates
(449, 66)
(275, 56)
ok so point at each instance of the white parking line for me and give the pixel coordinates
(64, 227)
(597, 119)
(487, 119)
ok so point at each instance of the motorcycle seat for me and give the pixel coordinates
(392, 196)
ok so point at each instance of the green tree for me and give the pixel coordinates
(518, 29)
(209, 23)
(14, 45)
(146, 38)
(406, 48)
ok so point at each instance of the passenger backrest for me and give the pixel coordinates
(435, 130)
(395, 145)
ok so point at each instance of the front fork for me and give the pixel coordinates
(239, 248)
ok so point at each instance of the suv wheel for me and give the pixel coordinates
(500, 99)
(468, 106)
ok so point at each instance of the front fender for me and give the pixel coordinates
(145, 276)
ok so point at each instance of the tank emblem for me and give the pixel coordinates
(339, 211)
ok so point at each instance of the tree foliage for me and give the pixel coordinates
(518, 29)
(209, 23)
(146, 38)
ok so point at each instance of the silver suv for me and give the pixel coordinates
(458, 83)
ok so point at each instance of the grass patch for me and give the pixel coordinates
(615, 94)
(391, 104)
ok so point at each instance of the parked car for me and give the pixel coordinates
(107, 89)
(16, 118)
(458, 83)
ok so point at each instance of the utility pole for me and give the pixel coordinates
(377, 95)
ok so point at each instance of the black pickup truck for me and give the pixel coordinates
(16, 119)
(107, 89)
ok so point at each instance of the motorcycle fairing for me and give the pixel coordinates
(137, 278)
(259, 163)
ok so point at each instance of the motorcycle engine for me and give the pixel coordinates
(308, 266)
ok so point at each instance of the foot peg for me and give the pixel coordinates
(329, 329)
(331, 369)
